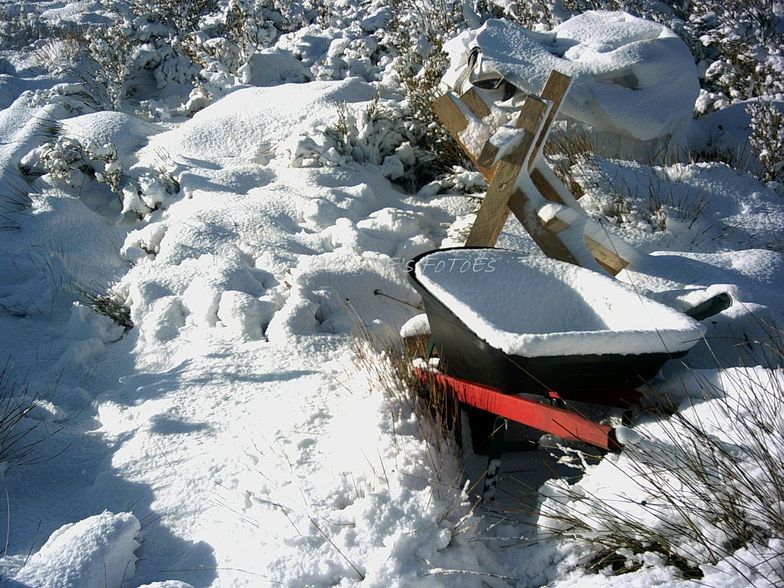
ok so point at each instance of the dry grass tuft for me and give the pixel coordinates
(435, 409)
(109, 304)
(703, 486)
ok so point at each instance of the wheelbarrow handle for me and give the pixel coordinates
(707, 308)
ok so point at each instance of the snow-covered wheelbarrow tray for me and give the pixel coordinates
(507, 324)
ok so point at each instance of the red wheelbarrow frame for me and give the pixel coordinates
(540, 415)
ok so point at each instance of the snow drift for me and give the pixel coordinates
(97, 551)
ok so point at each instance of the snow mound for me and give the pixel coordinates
(97, 551)
(535, 307)
(630, 76)
(272, 67)
(125, 132)
(247, 124)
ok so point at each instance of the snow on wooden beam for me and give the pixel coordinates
(555, 90)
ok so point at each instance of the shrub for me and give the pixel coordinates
(418, 30)
(59, 55)
(180, 17)
(436, 412)
(766, 138)
(19, 435)
(20, 26)
(109, 49)
(64, 158)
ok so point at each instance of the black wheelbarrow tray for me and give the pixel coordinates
(507, 323)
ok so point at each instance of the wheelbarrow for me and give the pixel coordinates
(519, 335)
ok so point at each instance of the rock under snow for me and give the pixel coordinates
(97, 551)
(630, 76)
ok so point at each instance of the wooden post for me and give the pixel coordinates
(492, 214)
(555, 90)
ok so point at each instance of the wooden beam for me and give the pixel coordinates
(487, 158)
(491, 216)
(545, 188)
(609, 260)
(548, 241)
(449, 112)
(475, 103)
(555, 90)
(503, 194)
(555, 225)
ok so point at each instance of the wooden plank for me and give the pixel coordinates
(448, 111)
(491, 216)
(487, 157)
(548, 241)
(475, 103)
(555, 225)
(545, 188)
(555, 90)
(609, 260)
(450, 114)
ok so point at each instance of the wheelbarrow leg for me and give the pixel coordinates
(494, 459)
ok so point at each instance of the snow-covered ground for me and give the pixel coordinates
(180, 304)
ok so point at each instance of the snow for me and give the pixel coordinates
(272, 68)
(569, 310)
(96, 551)
(416, 325)
(247, 430)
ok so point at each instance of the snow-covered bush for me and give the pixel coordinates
(249, 28)
(59, 55)
(418, 30)
(243, 28)
(65, 160)
(767, 138)
(110, 50)
(21, 26)
(380, 133)
(741, 41)
(180, 17)
(149, 192)
(701, 490)
(533, 15)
